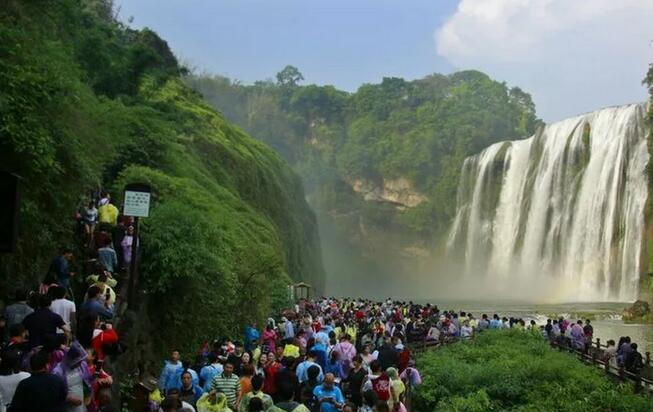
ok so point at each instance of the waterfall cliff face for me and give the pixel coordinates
(561, 211)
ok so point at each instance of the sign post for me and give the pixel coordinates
(136, 204)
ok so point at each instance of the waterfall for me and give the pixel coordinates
(561, 212)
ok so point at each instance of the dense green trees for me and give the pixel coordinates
(421, 130)
(87, 102)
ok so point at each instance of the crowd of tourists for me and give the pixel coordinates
(326, 355)
(337, 355)
(54, 346)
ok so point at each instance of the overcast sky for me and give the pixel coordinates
(573, 56)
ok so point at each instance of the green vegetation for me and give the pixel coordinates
(87, 102)
(516, 371)
(421, 130)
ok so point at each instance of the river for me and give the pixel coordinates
(605, 317)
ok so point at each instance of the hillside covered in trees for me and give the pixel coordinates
(381, 165)
(87, 102)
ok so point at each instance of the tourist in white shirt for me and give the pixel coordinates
(10, 377)
(62, 306)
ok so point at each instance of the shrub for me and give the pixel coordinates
(513, 370)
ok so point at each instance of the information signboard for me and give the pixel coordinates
(137, 204)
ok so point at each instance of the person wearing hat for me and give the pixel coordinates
(76, 374)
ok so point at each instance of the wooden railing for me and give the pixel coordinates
(594, 354)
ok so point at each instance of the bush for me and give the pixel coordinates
(513, 370)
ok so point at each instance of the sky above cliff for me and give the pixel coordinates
(572, 56)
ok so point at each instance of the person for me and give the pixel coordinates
(255, 405)
(189, 392)
(302, 368)
(251, 335)
(495, 323)
(378, 381)
(291, 348)
(213, 401)
(623, 349)
(578, 335)
(43, 322)
(17, 340)
(367, 355)
(610, 356)
(177, 405)
(98, 270)
(89, 217)
(306, 389)
(236, 358)
(370, 399)
(388, 356)
(17, 311)
(169, 373)
(269, 339)
(104, 198)
(355, 380)
(126, 245)
(633, 361)
(548, 329)
(102, 381)
(48, 281)
(10, 377)
(334, 366)
(60, 268)
(107, 256)
(42, 391)
(94, 303)
(229, 384)
(62, 306)
(288, 329)
(246, 377)
(588, 329)
(433, 334)
(328, 395)
(170, 404)
(107, 295)
(255, 393)
(466, 330)
(271, 370)
(287, 401)
(93, 334)
(108, 214)
(346, 350)
(208, 372)
(411, 375)
(74, 371)
(397, 389)
(261, 364)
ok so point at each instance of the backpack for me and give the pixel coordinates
(381, 386)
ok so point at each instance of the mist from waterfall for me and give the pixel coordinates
(558, 216)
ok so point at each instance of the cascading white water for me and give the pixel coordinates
(563, 208)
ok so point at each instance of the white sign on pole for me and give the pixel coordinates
(137, 204)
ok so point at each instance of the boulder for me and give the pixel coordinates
(640, 310)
